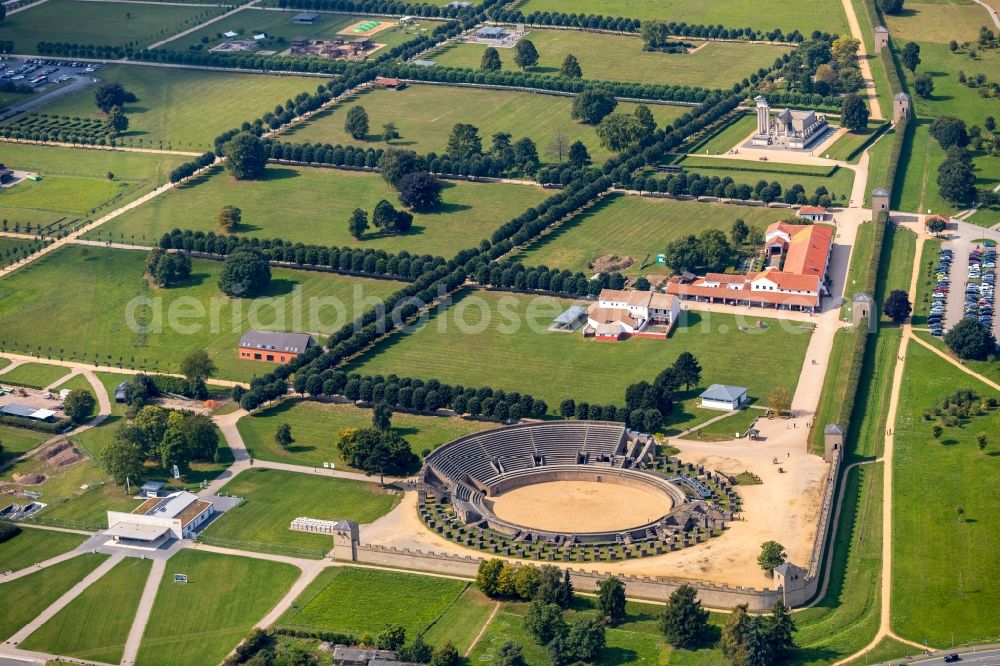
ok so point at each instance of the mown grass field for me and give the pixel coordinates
(95, 625)
(16, 441)
(849, 146)
(74, 184)
(727, 136)
(184, 109)
(838, 181)
(35, 375)
(310, 205)
(489, 339)
(23, 599)
(230, 595)
(635, 226)
(761, 15)
(937, 22)
(356, 601)
(607, 57)
(273, 499)
(926, 282)
(920, 162)
(315, 426)
(113, 279)
(9, 246)
(104, 23)
(461, 621)
(901, 246)
(425, 115)
(281, 30)
(944, 588)
(32, 546)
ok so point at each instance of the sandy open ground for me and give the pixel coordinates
(383, 25)
(580, 506)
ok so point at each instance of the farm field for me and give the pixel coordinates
(183, 109)
(74, 184)
(425, 114)
(23, 599)
(313, 205)
(34, 375)
(510, 340)
(281, 30)
(762, 15)
(114, 278)
(273, 499)
(838, 182)
(218, 587)
(315, 426)
(100, 23)
(942, 591)
(622, 58)
(635, 226)
(32, 546)
(95, 625)
(355, 601)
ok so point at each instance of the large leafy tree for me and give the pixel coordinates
(525, 54)
(544, 621)
(245, 274)
(620, 131)
(592, 105)
(490, 61)
(197, 366)
(911, 56)
(971, 340)
(122, 458)
(357, 224)
(356, 123)
(772, 554)
(854, 112)
(420, 191)
(611, 595)
(578, 155)
(688, 369)
(79, 405)
(395, 164)
(229, 218)
(245, 156)
(571, 67)
(110, 95)
(950, 131)
(464, 141)
(117, 121)
(897, 306)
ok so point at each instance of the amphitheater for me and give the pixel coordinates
(556, 489)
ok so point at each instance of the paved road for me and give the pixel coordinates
(984, 658)
(79, 82)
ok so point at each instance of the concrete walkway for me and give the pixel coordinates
(44, 564)
(113, 149)
(142, 614)
(109, 368)
(66, 598)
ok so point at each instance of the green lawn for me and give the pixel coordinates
(281, 30)
(838, 181)
(900, 246)
(355, 601)
(507, 337)
(201, 621)
(848, 146)
(937, 22)
(944, 588)
(461, 621)
(310, 205)
(273, 499)
(23, 599)
(35, 375)
(834, 387)
(184, 109)
(879, 156)
(761, 15)
(635, 227)
(100, 23)
(619, 58)
(76, 382)
(74, 184)
(926, 283)
(315, 426)
(10, 248)
(16, 441)
(950, 97)
(425, 114)
(32, 546)
(726, 137)
(726, 429)
(95, 625)
(168, 323)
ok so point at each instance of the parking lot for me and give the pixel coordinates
(48, 77)
(966, 273)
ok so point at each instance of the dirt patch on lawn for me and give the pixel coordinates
(32, 479)
(61, 454)
(611, 263)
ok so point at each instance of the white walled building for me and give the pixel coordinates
(159, 519)
(619, 312)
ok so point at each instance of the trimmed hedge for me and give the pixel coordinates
(54, 427)
(8, 530)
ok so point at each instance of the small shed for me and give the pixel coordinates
(229, 34)
(724, 397)
(120, 395)
(151, 488)
(571, 318)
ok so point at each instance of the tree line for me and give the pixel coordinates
(696, 185)
(402, 266)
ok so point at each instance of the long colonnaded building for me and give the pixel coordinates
(797, 258)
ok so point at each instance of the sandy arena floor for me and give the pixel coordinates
(580, 506)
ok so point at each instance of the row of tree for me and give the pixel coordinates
(188, 169)
(696, 185)
(561, 282)
(421, 395)
(404, 266)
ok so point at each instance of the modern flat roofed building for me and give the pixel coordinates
(273, 347)
(306, 17)
(158, 519)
